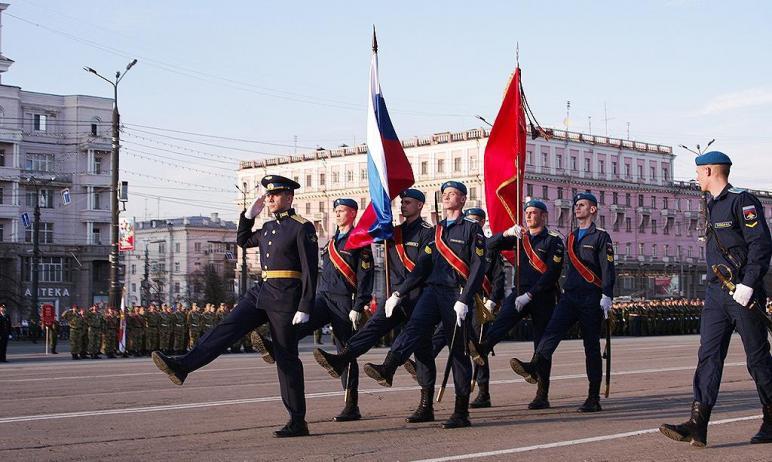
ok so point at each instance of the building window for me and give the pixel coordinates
(176, 267)
(197, 247)
(162, 247)
(2, 157)
(640, 200)
(363, 174)
(613, 168)
(653, 201)
(689, 252)
(162, 267)
(653, 175)
(350, 175)
(641, 249)
(176, 247)
(97, 165)
(544, 159)
(440, 166)
(614, 198)
(628, 224)
(644, 224)
(457, 164)
(628, 171)
(667, 250)
(640, 172)
(653, 250)
(176, 287)
(653, 226)
(559, 161)
(94, 129)
(529, 190)
(560, 192)
(545, 192)
(308, 181)
(627, 199)
(473, 163)
(424, 168)
(133, 269)
(665, 172)
(2, 232)
(50, 269)
(587, 165)
(602, 221)
(308, 208)
(46, 233)
(665, 203)
(573, 163)
(40, 122)
(473, 193)
(322, 178)
(133, 286)
(602, 197)
(335, 177)
(40, 162)
(601, 167)
(628, 249)
(362, 203)
(321, 206)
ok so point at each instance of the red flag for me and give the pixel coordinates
(505, 161)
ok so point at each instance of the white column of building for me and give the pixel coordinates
(14, 230)
(16, 156)
(90, 161)
(89, 198)
(15, 199)
(89, 232)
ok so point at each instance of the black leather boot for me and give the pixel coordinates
(542, 392)
(483, 398)
(592, 403)
(425, 410)
(265, 349)
(293, 429)
(475, 354)
(694, 430)
(383, 373)
(351, 409)
(75, 356)
(410, 367)
(171, 366)
(529, 370)
(334, 364)
(765, 432)
(460, 416)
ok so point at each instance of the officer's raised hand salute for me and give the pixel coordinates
(738, 247)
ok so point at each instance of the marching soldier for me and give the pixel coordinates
(195, 322)
(94, 323)
(404, 248)
(74, 318)
(455, 260)
(541, 262)
(179, 318)
(165, 328)
(152, 324)
(289, 258)
(587, 297)
(738, 248)
(345, 289)
(5, 330)
(110, 337)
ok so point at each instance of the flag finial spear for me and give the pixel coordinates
(517, 53)
(375, 41)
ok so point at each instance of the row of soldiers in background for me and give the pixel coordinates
(173, 330)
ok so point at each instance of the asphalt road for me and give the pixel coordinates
(125, 409)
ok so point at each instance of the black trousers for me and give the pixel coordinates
(246, 316)
(3, 345)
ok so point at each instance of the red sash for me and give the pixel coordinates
(399, 246)
(533, 257)
(585, 272)
(457, 263)
(340, 264)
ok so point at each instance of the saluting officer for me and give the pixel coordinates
(455, 260)
(345, 289)
(587, 298)
(737, 240)
(541, 262)
(404, 248)
(289, 259)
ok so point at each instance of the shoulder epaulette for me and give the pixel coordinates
(553, 233)
(426, 225)
(470, 220)
(299, 219)
(600, 229)
(736, 190)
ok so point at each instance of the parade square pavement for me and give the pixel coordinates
(54, 408)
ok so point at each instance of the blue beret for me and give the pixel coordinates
(536, 203)
(413, 194)
(276, 183)
(475, 211)
(713, 158)
(453, 184)
(347, 202)
(587, 196)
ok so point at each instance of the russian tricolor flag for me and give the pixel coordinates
(388, 170)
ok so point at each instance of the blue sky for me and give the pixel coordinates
(678, 71)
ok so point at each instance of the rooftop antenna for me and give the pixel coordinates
(567, 120)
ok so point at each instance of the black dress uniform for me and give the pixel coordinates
(738, 239)
(444, 286)
(544, 290)
(580, 302)
(289, 258)
(5, 330)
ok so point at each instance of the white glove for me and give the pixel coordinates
(461, 310)
(514, 231)
(256, 207)
(742, 294)
(490, 305)
(300, 318)
(522, 300)
(391, 303)
(354, 316)
(605, 305)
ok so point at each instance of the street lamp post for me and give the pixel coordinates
(115, 286)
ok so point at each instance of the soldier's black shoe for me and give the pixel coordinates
(525, 370)
(483, 398)
(383, 373)
(292, 429)
(350, 410)
(539, 402)
(83, 356)
(110, 355)
(765, 432)
(591, 404)
(425, 410)
(460, 416)
(264, 348)
(475, 354)
(335, 365)
(170, 366)
(410, 367)
(96, 356)
(75, 356)
(54, 352)
(694, 430)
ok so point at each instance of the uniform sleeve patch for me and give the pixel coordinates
(557, 258)
(428, 249)
(749, 212)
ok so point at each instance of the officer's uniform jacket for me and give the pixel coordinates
(737, 217)
(286, 244)
(413, 238)
(548, 248)
(464, 236)
(596, 251)
(360, 261)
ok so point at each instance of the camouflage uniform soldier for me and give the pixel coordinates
(152, 324)
(179, 319)
(165, 328)
(194, 324)
(110, 338)
(94, 323)
(76, 323)
(138, 326)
